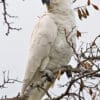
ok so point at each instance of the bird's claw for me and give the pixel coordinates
(48, 74)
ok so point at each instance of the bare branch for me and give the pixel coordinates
(7, 80)
(6, 16)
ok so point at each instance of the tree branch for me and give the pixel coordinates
(6, 16)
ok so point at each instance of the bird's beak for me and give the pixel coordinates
(47, 2)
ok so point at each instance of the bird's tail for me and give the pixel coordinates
(38, 93)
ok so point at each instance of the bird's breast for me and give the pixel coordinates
(61, 52)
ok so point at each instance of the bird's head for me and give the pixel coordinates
(55, 3)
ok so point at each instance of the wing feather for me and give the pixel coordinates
(42, 39)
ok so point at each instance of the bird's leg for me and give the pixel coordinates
(48, 73)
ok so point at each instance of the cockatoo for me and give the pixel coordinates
(49, 48)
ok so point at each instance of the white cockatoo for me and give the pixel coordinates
(49, 48)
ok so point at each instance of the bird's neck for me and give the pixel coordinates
(62, 8)
(63, 14)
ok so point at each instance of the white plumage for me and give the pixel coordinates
(48, 43)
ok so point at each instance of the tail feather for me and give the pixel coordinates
(38, 93)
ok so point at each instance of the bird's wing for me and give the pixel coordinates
(42, 39)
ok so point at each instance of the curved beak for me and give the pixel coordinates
(47, 2)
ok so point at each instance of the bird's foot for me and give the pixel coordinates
(48, 74)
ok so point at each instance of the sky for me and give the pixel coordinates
(14, 48)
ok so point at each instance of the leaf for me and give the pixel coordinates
(90, 91)
(88, 2)
(87, 12)
(83, 13)
(79, 14)
(81, 85)
(93, 43)
(87, 65)
(95, 7)
(78, 34)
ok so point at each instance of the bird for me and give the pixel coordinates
(48, 46)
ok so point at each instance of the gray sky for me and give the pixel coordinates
(14, 48)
